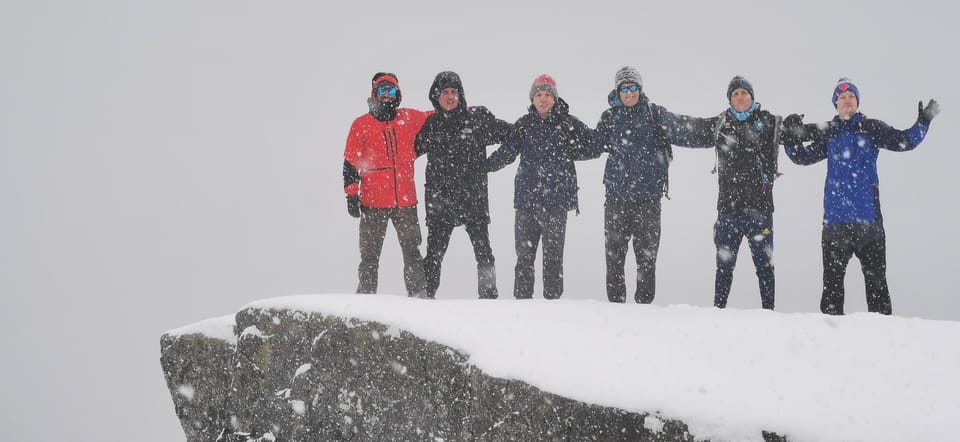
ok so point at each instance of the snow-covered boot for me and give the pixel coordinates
(487, 281)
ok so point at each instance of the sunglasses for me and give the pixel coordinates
(632, 88)
(386, 90)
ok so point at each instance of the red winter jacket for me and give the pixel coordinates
(382, 154)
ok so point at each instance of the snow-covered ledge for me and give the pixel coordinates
(316, 367)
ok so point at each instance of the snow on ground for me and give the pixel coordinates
(219, 327)
(727, 373)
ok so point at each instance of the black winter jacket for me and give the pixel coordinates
(746, 158)
(455, 143)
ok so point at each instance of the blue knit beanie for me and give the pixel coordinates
(844, 84)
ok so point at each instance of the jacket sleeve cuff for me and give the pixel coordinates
(352, 189)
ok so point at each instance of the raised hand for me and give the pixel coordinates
(925, 114)
(794, 131)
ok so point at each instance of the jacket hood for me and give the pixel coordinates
(442, 81)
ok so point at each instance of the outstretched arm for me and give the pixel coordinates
(806, 155)
(794, 133)
(889, 138)
(492, 130)
(507, 152)
(686, 131)
(583, 140)
(424, 142)
(601, 138)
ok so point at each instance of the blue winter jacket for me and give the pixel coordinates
(546, 177)
(852, 193)
(638, 148)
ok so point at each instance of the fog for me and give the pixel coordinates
(167, 162)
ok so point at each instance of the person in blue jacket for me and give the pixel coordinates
(852, 222)
(637, 136)
(548, 140)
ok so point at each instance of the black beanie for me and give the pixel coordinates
(739, 82)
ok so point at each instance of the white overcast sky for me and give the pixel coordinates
(167, 162)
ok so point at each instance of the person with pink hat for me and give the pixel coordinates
(548, 140)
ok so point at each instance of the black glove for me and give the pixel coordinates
(793, 130)
(353, 206)
(926, 114)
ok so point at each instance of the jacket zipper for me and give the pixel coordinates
(392, 151)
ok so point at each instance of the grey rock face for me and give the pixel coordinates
(296, 376)
(197, 369)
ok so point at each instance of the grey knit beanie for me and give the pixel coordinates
(627, 74)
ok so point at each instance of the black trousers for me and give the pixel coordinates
(438, 238)
(868, 242)
(531, 226)
(639, 221)
(373, 227)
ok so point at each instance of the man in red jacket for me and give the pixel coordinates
(378, 181)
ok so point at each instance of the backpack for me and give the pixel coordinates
(666, 150)
(769, 171)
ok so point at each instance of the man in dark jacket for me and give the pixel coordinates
(852, 222)
(637, 136)
(746, 138)
(378, 181)
(548, 140)
(455, 140)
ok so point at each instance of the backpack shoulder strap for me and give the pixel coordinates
(666, 150)
(721, 120)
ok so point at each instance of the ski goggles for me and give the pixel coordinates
(632, 88)
(387, 90)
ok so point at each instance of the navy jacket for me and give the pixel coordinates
(638, 148)
(546, 178)
(852, 190)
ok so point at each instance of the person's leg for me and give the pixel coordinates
(408, 232)
(760, 238)
(526, 235)
(616, 241)
(486, 272)
(645, 229)
(837, 250)
(373, 227)
(554, 225)
(438, 238)
(727, 234)
(872, 253)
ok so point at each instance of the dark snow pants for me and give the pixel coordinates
(868, 242)
(640, 221)
(728, 232)
(373, 227)
(438, 238)
(532, 225)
